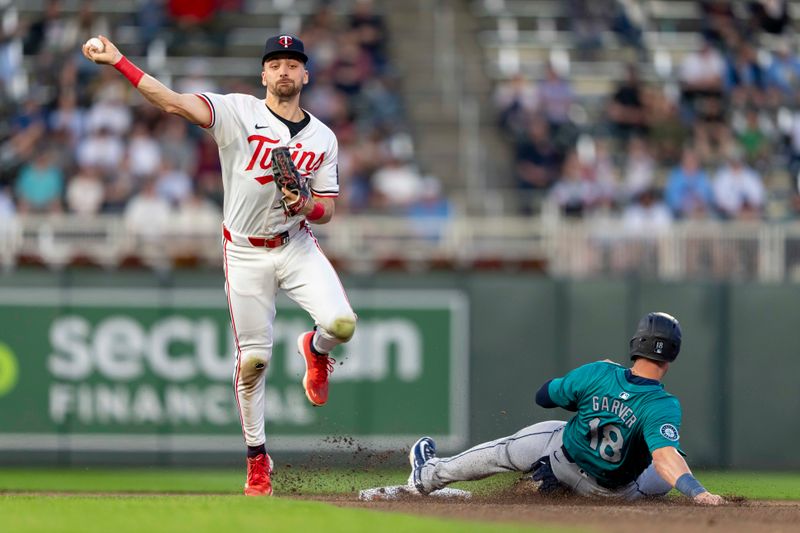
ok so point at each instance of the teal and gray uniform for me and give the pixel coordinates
(604, 450)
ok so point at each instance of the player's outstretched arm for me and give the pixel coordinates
(189, 106)
(672, 467)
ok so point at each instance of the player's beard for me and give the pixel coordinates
(285, 90)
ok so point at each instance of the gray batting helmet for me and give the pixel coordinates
(657, 337)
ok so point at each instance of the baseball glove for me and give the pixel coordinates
(286, 175)
(542, 475)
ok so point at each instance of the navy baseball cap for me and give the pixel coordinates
(285, 43)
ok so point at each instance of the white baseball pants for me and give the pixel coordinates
(253, 277)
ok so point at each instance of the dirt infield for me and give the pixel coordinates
(672, 516)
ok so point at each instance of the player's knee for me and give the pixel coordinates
(343, 327)
(253, 363)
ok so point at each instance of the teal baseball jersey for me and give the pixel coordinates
(621, 419)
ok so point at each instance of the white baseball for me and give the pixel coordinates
(95, 44)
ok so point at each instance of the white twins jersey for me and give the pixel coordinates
(246, 131)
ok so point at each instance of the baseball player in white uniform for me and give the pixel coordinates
(265, 249)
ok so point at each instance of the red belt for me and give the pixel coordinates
(261, 242)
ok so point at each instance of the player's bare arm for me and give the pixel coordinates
(188, 106)
(672, 467)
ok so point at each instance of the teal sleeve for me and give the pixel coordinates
(662, 425)
(567, 391)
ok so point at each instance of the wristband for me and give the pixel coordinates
(317, 212)
(129, 70)
(689, 486)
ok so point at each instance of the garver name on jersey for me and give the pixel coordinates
(615, 407)
(305, 161)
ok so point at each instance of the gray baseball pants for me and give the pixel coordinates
(518, 452)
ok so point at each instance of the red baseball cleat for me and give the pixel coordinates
(259, 469)
(318, 368)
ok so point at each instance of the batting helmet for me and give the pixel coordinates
(657, 337)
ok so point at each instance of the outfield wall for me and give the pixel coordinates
(107, 365)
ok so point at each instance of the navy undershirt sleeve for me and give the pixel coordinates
(543, 396)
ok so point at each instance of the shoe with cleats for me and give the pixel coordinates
(259, 470)
(318, 368)
(421, 452)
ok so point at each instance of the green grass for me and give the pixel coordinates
(204, 500)
(204, 481)
(218, 514)
(754, 485)
(210, 500)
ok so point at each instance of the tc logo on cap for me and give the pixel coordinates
(285, 40)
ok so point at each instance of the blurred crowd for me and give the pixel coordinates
(76, 138)
(715, 137)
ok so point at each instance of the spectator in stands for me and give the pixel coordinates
(327, 103)
(208, 177)
(144, 152)
(516, 100)
(603, 171)
(745, 79)
(430, 211)
(719, 22)
(358, 160)
(576, 191)
(738, 189)
(147, 215)
(352, 67)
(173, 184)
(7, 207)
(589, 19)
(27, 129)
(666, 132)
(29, 116)
(110, 111)
(150, 18)
(193, 22)
(197, 79)
(556, 97)
(195, 220)
(85, 23)
(40, 185)
(196, 215)
(626, 111)
(792, 131)
(320, 39)
(381, 105)
(628, 23)
(396, 185)
(177, 148)
(644, 220)
(538, 159)
(62, 152)
(68, 117)
(783, 75)
(771, 16)
(754, 140)
(701, 77)
(85, 192)
(45, 33)
(10, 56)
(101, 149)
(639, 172)
(371, 31)
(688, 190)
